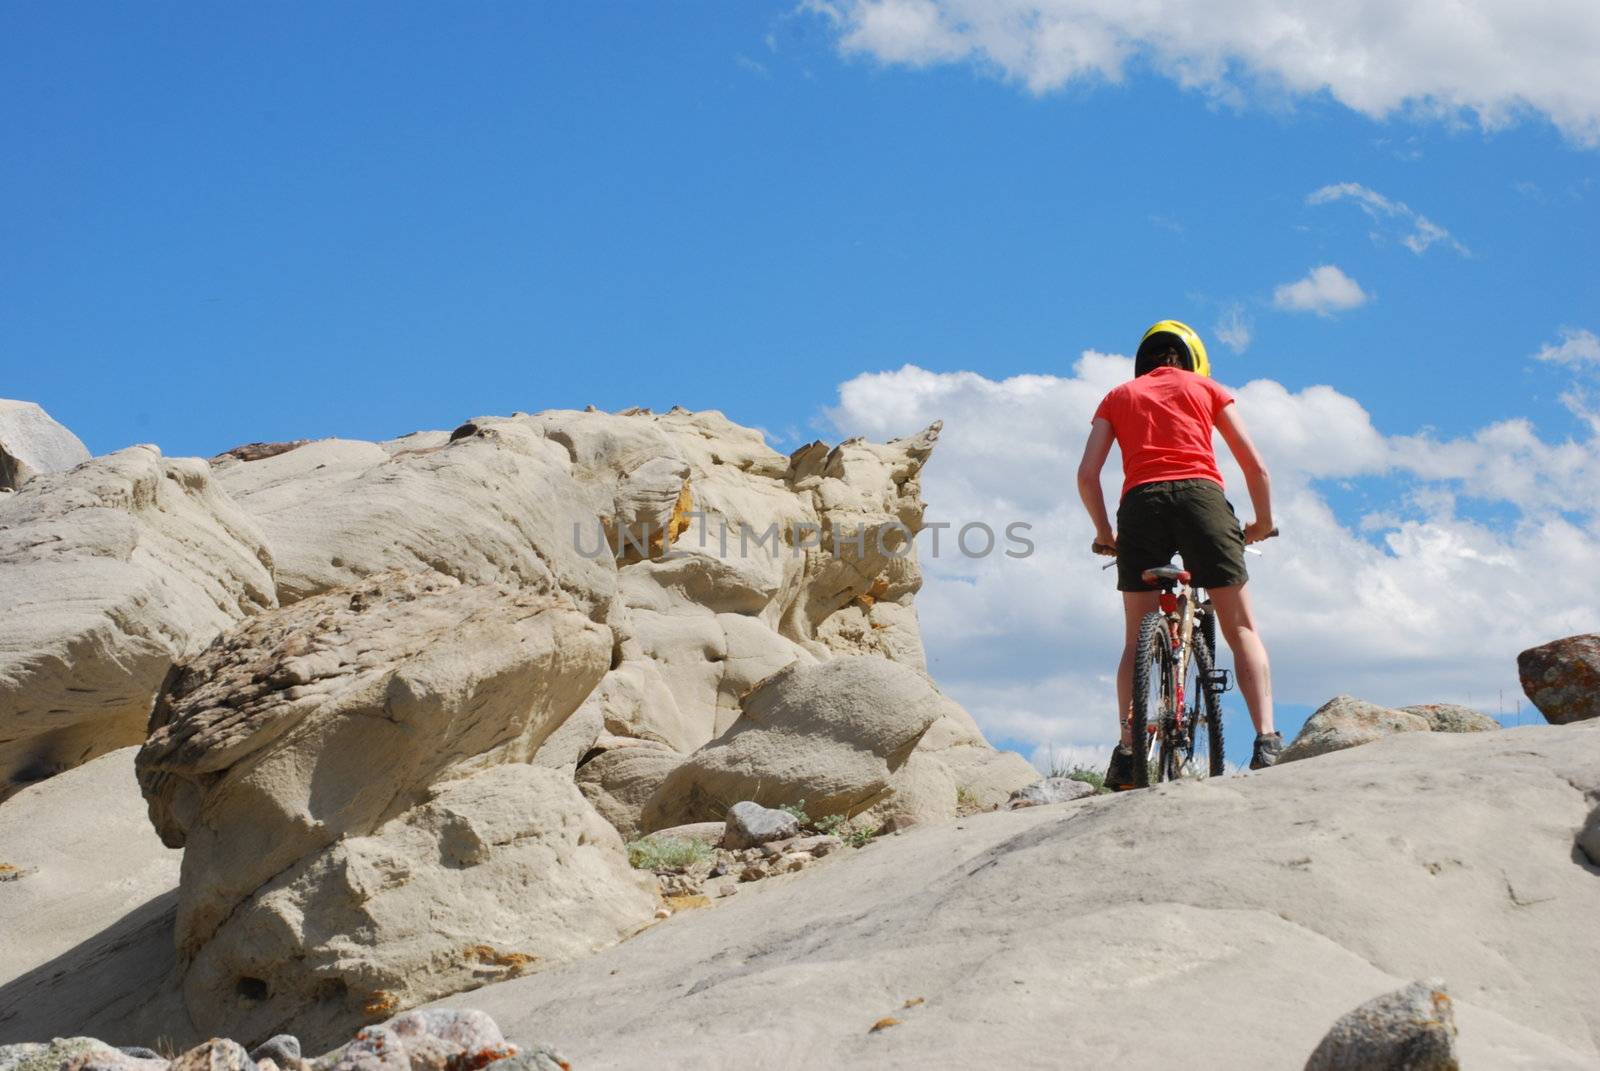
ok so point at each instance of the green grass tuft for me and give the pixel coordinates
(666, 853)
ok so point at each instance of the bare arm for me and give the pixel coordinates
(1256, 479)
(1095, 452)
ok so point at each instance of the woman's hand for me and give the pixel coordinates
(1256, 531)
(1105, 542)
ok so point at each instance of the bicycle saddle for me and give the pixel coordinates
(1169, 573)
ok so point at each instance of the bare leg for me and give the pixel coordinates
(1249, 653)
(1135, 605)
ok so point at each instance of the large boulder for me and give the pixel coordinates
(497, 502)
(490, 876)
(353, 781)
(31, 443)
(334, 715)
(840, 737)
(112, 571)
(1345, 722)
(620, 781)
(1562, 678)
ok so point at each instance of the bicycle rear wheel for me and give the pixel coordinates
(1204, 749)
(1154, 686)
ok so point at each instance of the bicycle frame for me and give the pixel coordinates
(1178, 607)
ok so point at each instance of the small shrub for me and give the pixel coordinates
(859, 838)
(665, 853)
(799, 812)
(829, 824)
(1093, 778)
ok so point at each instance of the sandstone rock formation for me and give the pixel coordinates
(498, 504)
(318, 758)
(111, 571)
(1562, 678)
(840, 737)
(446, 673)
(31, 444)
(1345, 722)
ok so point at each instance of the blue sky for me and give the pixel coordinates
(233, 223)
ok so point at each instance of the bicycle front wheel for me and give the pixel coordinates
(1154, 692)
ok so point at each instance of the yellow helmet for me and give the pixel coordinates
(1198, 360)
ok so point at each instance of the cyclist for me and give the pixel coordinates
(1173, 502)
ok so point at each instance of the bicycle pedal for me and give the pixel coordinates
(1217, 681)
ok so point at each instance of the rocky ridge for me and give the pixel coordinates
(401, 704)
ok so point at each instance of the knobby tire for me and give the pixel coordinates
(1207, 704)
(1152, 666)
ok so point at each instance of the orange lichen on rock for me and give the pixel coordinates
(677, 524)
(380, 1005)
(514, 962)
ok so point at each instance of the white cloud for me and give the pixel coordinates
(1234, 330)
(1493, 59)
(1580, 349)
(1577, 346)
(1325, 290)
(1423, 231)
(1414, 601)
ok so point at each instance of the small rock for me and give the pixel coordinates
(281, 1049)
(773, 850)
(106, 1058)
(79, 1052)
(375, 1048)
(12, 1055)
(796, 861)
(818, 846)
(753, 872)
(1562, 678)
(1049, 790)
(449, 1039)
(1450, 718)
(1411, 1029)
(663, 913)
(750, 824)
(218, 1054)
(534, 1058)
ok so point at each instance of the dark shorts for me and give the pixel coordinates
(1191, 518)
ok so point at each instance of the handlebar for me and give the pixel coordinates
(1108, 551)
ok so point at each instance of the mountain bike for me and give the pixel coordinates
(1176, 716)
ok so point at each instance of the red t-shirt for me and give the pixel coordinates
(1163, 421)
